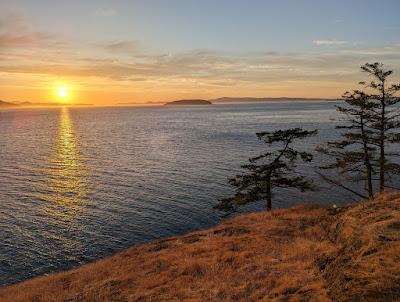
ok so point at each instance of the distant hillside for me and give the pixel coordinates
(188, 102)
(7, 104)
(4, 104)
(303, 253)
(32, 104)
(255, 100)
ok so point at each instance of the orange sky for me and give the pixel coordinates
(99, 91)
(109, 83)
(140, 52)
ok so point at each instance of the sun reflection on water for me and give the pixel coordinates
(66, 185)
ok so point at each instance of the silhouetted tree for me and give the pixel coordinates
(385, 117)
(270, 170)
(354, 152)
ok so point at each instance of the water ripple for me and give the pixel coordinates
(79, 184)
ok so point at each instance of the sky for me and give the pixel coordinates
(115, 52)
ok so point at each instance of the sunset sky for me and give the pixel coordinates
(110, 52)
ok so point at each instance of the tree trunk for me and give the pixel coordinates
(369, 179)
(269, 195)
(382, 142)
(367, 161)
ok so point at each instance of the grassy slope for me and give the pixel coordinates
(304, 253)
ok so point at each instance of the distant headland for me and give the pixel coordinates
(4, 104)
(188, 102)
(268, 99)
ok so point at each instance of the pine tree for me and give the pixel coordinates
(385, 119)
(354, 152)
(274, 169)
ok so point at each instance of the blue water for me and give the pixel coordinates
(77, 184)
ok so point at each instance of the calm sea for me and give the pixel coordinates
(77, 184)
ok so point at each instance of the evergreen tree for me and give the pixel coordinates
(385, 118)
(270, 170)
(354, 152)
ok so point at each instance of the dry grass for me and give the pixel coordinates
(304, 253)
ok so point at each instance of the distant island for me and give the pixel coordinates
(188, 102)
(228, 100)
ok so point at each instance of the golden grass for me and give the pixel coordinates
(304, 253)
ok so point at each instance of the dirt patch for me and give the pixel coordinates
(231, 231)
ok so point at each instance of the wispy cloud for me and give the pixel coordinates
(16, 32)
(105, 12)
(128, 47)
(384, 52)
(124, 64)
(330, 42)
(205, 66)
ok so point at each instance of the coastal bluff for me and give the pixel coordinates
(302, 253)
(193, 102)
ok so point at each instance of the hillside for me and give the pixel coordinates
(4, 104)
(188, 102)
(7, 104)
(260, 100)
(304, 253)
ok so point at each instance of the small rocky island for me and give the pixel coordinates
(188, 102)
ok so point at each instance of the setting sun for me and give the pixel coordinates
(62, 92)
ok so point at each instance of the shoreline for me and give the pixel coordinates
(162, 105)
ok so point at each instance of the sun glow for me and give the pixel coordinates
(62, 92)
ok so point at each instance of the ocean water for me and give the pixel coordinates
(77, 184)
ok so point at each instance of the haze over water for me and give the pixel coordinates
(77, 184)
